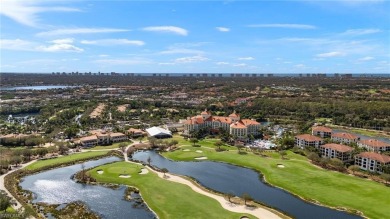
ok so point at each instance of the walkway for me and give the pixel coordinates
(2, 186)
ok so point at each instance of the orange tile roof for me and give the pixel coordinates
(238, 125)
(321, 129)
(88, 138)
(234, 115)
(249, 122)
(374, 143)
(375, 156)
(223, 119)
(308, 137)
(117, 134)
(135, 130)
(338, 147)
(344, 135)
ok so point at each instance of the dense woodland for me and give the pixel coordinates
(356, 102)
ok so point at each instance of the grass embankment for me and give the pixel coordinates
(65, 159)
(361, 131)
(302, 178)
(167, 199)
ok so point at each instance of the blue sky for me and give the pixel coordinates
(340, 36)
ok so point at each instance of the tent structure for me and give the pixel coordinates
(158, 132)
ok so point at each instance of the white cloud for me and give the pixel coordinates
(60, 47)
(103, 55)
(26, 11)
(130, 61)
(181, 51)
(167, 63)
(223, 29)
(222, 63)
(61, 41)
(246, 58)
(293, 26)
(191, 59)
(113, 42)
(300, 66)
(358, 32)
(330, 54)
(74, 31)
(367, 58)
(167, 29)
(17, 44)
(240, 65)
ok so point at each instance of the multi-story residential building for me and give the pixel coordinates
(374, 145)
(322, 131)
(371, 161)
(100, 137)
(307, 140)
(346, 138)
(339, 151)
(240, 128)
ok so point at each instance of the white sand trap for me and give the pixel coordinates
(100, 171)
(200, 158)
(186, 150)
(144, 171)
(124, 176)
(280, 165)
(198, 151)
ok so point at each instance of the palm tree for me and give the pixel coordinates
(229, 196)
(149, 160)
(246, 197)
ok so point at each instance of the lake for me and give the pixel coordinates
(44, 87)
(227, 178)
(56, 187)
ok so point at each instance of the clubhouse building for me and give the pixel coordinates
(101, 137)
(237, 127)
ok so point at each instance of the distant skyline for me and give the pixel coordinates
(342, 36)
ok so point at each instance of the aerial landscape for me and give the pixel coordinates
(195, 109)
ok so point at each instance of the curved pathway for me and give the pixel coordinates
(258, 212)
(2, 186)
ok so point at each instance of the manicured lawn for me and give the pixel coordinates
(10, 210)
(306, 180)
(167, 199)
(65, 159)
(113, 146)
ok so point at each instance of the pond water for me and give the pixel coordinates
(43, 87)
(56, 187)
(226, 178)
(362, 137)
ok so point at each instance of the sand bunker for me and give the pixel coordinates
(100, 171)
(280, 165)
(198, 151)
(200, 158)
(144, 171)
(124, 176)
(186, 150)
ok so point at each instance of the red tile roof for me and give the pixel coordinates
(223, 119)
(321, 129)
(338, 147)
(344, 135)
(238, 125)
(234, 114)
(308, 137)
(249, 122)
(374, 143)
(375, 156)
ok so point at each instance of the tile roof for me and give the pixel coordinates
(338, 147)
(117, 134)
(249, 122)
(238, 125)
(374, 143)
(308, 137)
(321, 129)
(234, 114)
(344, 135)
(375, 156)
(88, 138)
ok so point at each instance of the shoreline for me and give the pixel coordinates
(263, 178)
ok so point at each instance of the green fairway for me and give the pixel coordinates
(302, 178)
(65, 159)
(168, 199)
